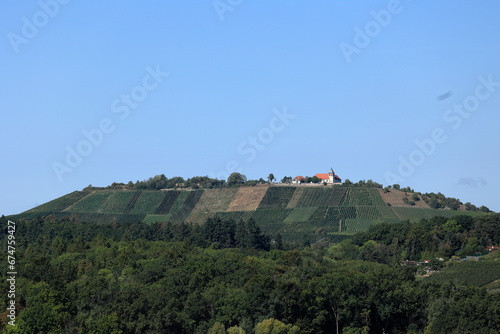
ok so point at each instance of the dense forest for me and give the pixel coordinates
(230, 277)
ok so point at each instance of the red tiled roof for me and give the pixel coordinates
(323, 176)
(299, 178)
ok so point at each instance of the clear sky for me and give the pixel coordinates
(94, 92)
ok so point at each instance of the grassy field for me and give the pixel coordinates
(479, 273)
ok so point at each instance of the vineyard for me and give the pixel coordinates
(168, 201)
(300, 214)
(186, 207)
(412, 214)
(148, 201)
(277, 197)
(215, 200)
(358, 196)
(356, 225)
(295, 198)
(312, 197)
(61, 203)
(478, 273)
(448, 213)
(367, 212)
(270, 220)
(118, 202)
(290, 210)
(91, 203)
(247, 199)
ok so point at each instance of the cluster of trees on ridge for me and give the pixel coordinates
(138, 278)
(204, 182)
(435, 201)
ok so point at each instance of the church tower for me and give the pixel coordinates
(331, 175)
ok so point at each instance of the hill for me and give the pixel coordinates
(480, 273)
(291, 210)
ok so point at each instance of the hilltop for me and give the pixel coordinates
(335, 211)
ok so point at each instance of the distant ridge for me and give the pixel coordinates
(291, 210)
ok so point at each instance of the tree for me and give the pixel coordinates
(279, 242)
(235, 330)
(271, 177)
(286, 179)
(273, 326)
(315, 179)
(106, 324)
(235, 179)
(217, 328)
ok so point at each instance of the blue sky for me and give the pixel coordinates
(188, 88)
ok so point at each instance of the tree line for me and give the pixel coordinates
(228, 277)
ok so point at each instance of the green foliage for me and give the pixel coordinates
(273, 326)
(235, 330)
(463, 309)
(171, 278)
(217, 328)
(235, 179)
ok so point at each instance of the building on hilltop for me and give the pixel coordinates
(299, 180)
(329, 177)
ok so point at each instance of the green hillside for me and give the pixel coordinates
(479, 273)
(292, 211)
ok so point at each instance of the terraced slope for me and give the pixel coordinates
(247, 198)
(290, 210)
